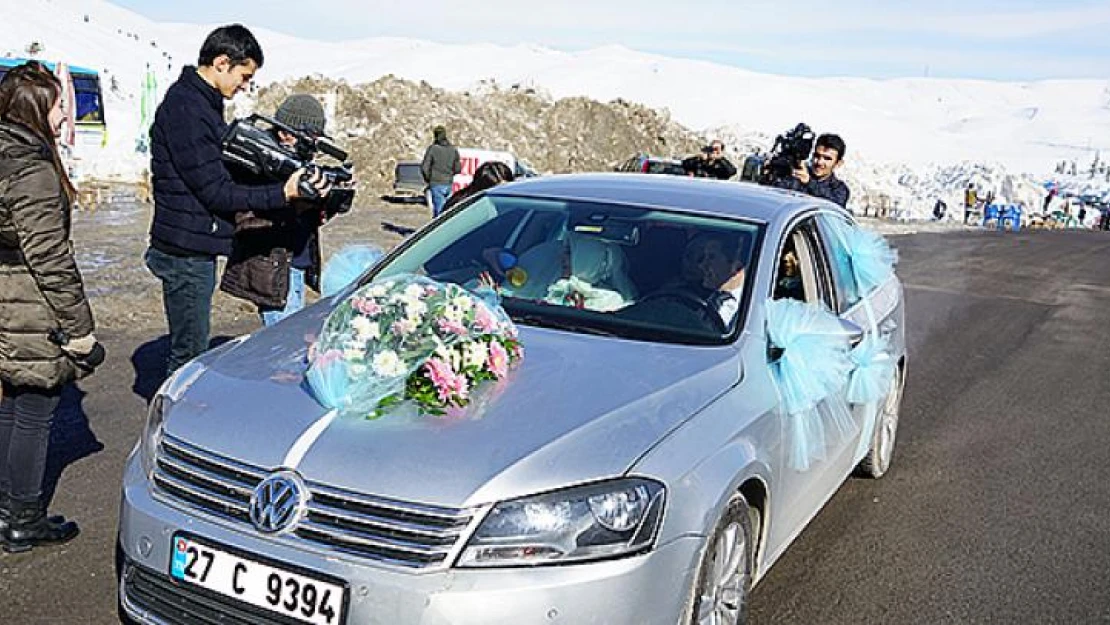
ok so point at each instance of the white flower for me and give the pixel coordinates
(414, 309)
(365, 329)
(376, 291)
(456, 357)
(387, 364)
(462, 302)
(453, 312)
(357, 370)
(352, 353)
(414, 291)
(476, 354)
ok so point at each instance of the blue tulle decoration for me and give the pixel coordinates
(345, 266)
(869, 383)
(810, 376)
(866, 254)
(330, 383)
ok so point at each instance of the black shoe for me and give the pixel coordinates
(29, 527)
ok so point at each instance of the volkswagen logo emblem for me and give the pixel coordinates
(278, 502)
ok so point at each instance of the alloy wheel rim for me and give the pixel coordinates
(723, 593)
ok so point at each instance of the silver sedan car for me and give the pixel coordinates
(634, 468)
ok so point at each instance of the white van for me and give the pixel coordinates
(472, 158)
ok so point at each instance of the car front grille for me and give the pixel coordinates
(397, 533)
(157, 598)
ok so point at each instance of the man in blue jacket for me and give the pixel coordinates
(195, 197)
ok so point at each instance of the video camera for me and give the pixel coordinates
(252, 144)
(790, 151)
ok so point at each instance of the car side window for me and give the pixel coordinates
(840, 262)
(802, 272)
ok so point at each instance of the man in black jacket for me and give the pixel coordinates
(710, 163)
(440, 165)
(194, 195)
(819, 177)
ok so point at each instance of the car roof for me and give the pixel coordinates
(699, 195)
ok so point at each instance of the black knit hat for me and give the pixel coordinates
(302, 112)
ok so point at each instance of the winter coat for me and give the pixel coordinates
(262, 253)
(194, 195)
(832, 188)
(720, 168)
(40, 287)
(441, 163)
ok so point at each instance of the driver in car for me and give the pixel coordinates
(712, 268)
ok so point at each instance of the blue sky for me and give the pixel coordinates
(991, 39)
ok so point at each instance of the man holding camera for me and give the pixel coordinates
(275, 254)
(819, 177)
(710, 163)
(194, 195)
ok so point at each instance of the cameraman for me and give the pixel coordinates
(819, 177)
(275, 254)
(194, 195)
(710, 163)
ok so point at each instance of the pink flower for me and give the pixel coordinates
(449, 385)
(498, 361)
(484, 320)
(366, 306)
(518, 351)
(453, 327)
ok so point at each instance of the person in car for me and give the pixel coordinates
(46, 325)
(597, 276)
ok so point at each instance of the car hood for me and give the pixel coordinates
(577, 408)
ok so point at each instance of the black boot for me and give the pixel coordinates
(29, 527)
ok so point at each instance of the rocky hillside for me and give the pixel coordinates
(391, 119)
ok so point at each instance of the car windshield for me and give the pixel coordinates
(409, 172)
(634, 272)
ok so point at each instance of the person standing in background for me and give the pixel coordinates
(441, 163)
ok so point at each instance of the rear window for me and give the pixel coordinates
(409, 172)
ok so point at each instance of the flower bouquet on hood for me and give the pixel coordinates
(410, 338)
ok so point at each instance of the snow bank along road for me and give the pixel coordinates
(995, 510)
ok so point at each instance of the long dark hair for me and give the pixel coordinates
(27, 94)
(488, 175)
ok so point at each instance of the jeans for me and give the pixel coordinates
(439, 194)
(294, 301)
(25, 416)
(187, 286)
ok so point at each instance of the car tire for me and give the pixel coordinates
(724, 581)
(878, 459)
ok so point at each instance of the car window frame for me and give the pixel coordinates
(805, 225)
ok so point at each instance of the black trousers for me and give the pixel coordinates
(25, 417)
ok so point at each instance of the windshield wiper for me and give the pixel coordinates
(560, 324)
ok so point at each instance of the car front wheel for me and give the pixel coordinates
(725, 575)
(877, 461)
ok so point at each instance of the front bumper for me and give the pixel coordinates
(641, 590)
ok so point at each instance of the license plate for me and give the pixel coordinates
(302, 597)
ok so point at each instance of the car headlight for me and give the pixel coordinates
(593, 522)
(169, 393)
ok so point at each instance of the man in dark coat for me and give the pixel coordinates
(194, 195)
(710, 163)
(441, 163)
(276, 254)
(818, 177)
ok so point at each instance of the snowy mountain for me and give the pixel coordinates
(889, 124)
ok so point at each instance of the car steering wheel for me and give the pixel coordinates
(690, 301)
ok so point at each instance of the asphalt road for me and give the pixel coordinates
(997, 509)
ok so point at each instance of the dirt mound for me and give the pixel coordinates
(391, 119)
